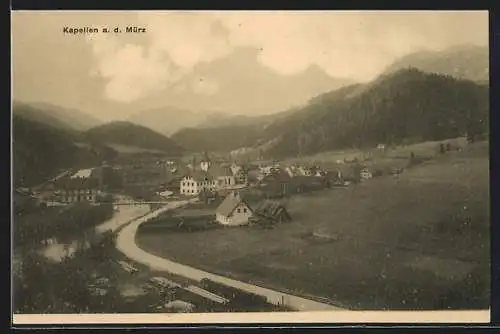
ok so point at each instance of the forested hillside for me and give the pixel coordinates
(406, 105)
(40, 151)
(126, 133)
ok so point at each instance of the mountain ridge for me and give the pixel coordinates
(60, 117)
(128, 133)
(462, 62)
(407, 104)
(50, 149)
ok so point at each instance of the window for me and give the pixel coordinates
(239, 210)
(245, 210)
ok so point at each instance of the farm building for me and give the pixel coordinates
(271, 211)
(277, 184)
(72, 190)
(308, 183)
(233, 211)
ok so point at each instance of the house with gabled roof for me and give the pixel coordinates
(195, 181)
(269, 211)
(223, 175)
(72, 190)
(233, 211)
(277, 184)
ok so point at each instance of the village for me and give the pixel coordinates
(221, 193)
(153, 181)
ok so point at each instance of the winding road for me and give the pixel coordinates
(126, 244)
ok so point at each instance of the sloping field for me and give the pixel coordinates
(417, 242)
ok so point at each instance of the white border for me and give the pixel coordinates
(332, 317)
(414, 317)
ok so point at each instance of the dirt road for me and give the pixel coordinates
(126, 244)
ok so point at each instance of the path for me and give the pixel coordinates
(126, 244)
(122, 215)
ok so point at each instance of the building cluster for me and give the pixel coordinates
(85, 185)
(208, 178)
(236, 211)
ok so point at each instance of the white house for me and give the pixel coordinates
(233, 211)
(235, 168)
(78, 189)
(305, 171)
(320, 173)
(266, 170)
(194, 182)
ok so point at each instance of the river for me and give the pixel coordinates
(122, 215)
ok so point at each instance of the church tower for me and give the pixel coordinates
(205, 162)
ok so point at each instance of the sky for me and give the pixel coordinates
(113, 75)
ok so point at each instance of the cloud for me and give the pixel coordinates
(133, 71)
(357, 45)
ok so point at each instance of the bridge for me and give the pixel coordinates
(142, 203)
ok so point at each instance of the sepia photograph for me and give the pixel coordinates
(198, 165)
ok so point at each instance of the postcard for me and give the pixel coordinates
(250, 167)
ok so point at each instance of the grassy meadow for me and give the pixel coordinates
(419, 241)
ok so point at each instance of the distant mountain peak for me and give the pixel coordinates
(460, 61)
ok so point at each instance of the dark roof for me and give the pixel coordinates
(270, 209)
(199, 175)
(281, 176)
(219, 171)
(77, 183)
(229, 204)
(302, 179)
(205, 157)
